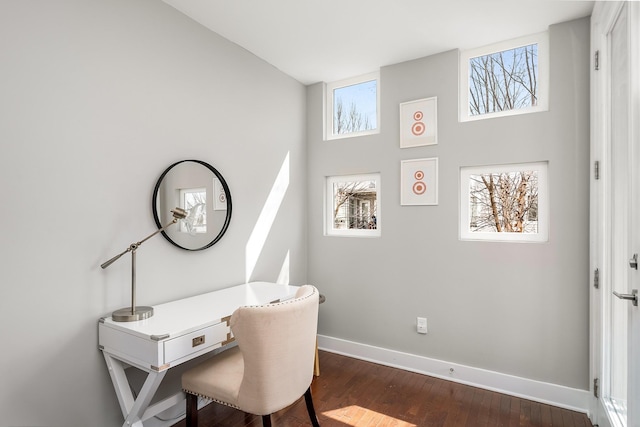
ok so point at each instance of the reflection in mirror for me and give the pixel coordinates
(195, 203)
(200, 189)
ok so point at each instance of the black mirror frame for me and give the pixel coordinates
(227, 194)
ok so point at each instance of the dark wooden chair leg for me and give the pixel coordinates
(192, 410)
(310, 408)
(266, 421)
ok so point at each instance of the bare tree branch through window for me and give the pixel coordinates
(504, 80)
(351, 120)
(504, 202)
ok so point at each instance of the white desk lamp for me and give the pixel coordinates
(133, 313)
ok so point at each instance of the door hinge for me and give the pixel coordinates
(596, 386)
(596, 169)
(596, 278)
(596, 60)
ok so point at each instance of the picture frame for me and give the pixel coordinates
(419, 182)
(219, 196)
(419, 122)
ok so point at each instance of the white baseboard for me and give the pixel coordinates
(551, 394)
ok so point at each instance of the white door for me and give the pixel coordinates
(615, 210)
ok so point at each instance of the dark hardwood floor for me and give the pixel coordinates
(352, 392)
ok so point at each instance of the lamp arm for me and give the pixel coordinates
(135, 246)
(156, 232)
(114, 259)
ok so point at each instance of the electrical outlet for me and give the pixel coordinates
(421, 325)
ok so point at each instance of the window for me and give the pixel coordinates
(504, 203)
(352, 107)
(194, 201)
(353, 205)
(504, 79)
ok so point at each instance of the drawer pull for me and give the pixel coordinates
(197, 341)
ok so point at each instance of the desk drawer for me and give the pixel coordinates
(183, 346)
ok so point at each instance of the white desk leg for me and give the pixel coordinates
(132, 409)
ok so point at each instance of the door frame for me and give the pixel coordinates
(602, 20)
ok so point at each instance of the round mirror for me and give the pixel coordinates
(198, 188)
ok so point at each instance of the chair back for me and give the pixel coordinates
(277, 342)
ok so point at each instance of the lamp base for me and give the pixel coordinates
(125, 315)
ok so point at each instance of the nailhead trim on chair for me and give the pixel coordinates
(284, 302)
(210, 399)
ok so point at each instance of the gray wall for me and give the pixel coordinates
(97, 98)
(514, 308)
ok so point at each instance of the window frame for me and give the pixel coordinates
(329, 229)
(541, 39)
(329, 90)
(543, 211)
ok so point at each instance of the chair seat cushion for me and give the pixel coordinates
(218, 378)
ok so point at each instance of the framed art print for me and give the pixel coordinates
(219, 196)
(419, 182)
(419, 122)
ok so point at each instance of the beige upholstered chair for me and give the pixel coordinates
(272, 366)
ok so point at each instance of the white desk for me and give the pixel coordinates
(177, 332)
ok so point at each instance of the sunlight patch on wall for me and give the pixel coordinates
(354, 415)
(258, 236)
(283, 277)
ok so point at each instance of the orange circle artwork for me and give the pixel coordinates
(418, 128)
(419, 187)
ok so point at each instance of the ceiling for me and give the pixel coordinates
(328, 40)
